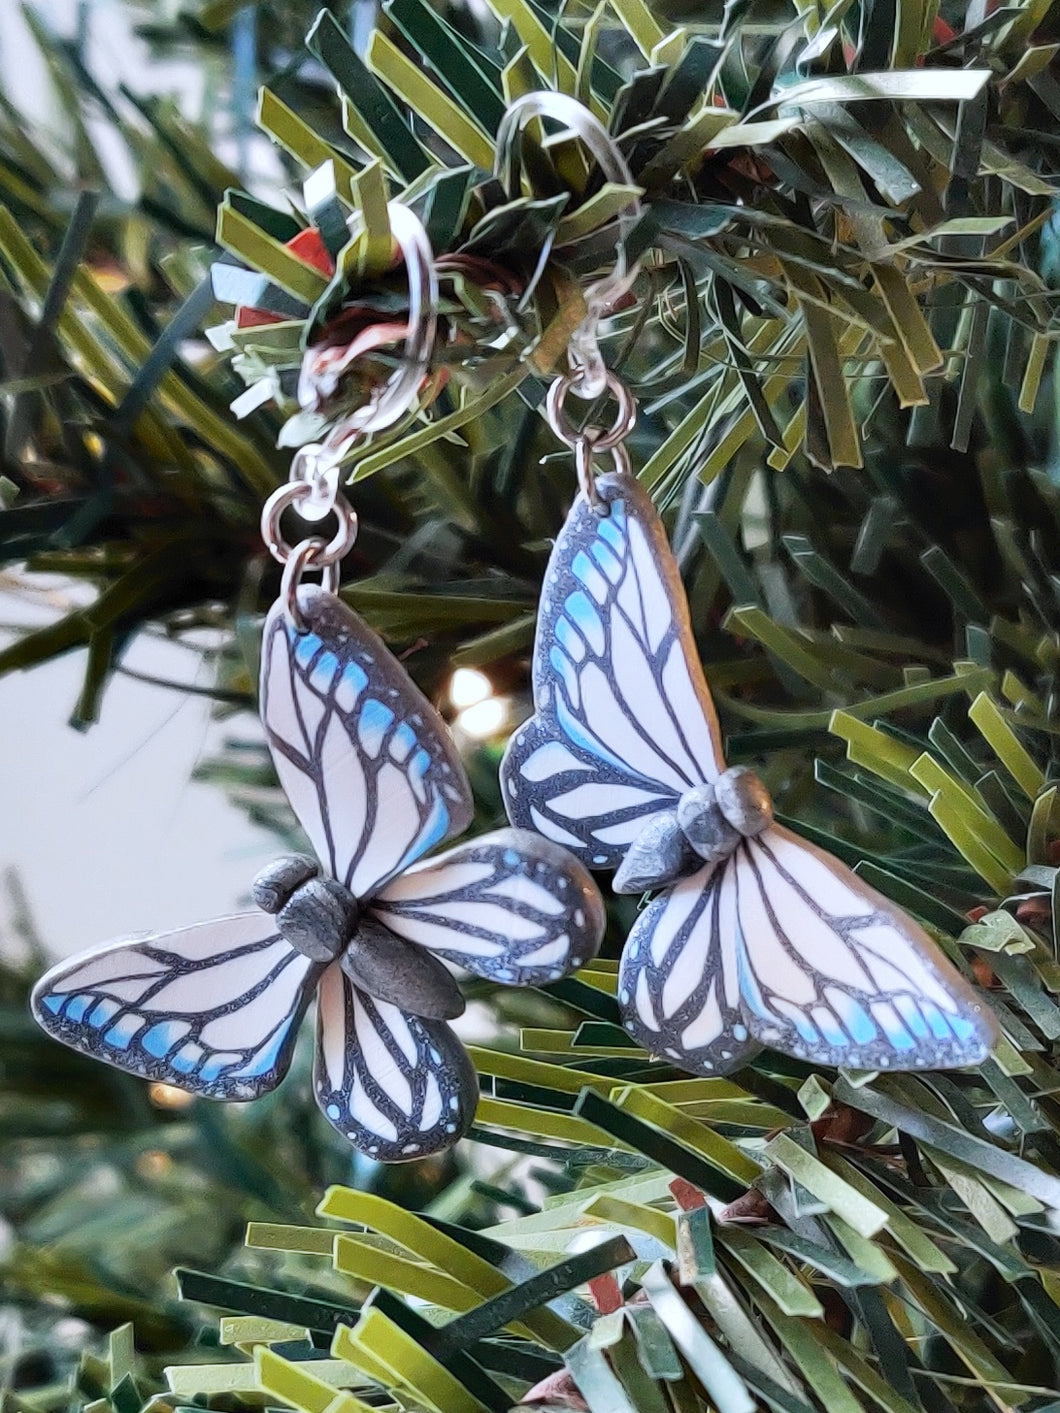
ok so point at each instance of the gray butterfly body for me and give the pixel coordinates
(706, 824)
(324, 921)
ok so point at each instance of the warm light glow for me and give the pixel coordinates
(154, 1164)
(484, 719)
(168, 1096)
(469, 687)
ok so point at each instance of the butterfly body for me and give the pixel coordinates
(659, 854)
(706, 825)
(368, 927)
(755, 938)
(316, 915)
(325, 922)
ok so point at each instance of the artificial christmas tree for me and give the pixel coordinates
(840, 342)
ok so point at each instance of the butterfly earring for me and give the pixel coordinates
(754, 938)
(367, 925)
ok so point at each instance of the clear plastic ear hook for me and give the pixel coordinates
(389, 403)
(313, 485)
(602, 296)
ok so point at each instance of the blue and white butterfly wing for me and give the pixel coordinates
(679, 983)
(396, 1086)
(832, 972)
(509, 906)
(213, 1009)
(624, 721)
(782, 946)
(364, 758)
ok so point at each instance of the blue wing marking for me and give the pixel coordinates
(372, 725)
(163, 1038)
(213, 1008)
(570, 641)
(616, 683)
(324, 669)
(306, 648)
(855, 1019)
(122, 1032)
(583, 615)
(365, 760)
(832, 972)
(186, 1060)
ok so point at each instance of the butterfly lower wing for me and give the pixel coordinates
(679, 988)
(624, 721)
(213, 1009)
(365, 760)
(394, 1085)
(509, 906)
(832, 972)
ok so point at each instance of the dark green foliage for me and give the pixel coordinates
(869, 282)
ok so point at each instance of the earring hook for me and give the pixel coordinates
(586, 360)
(390, 402)
(313, 485)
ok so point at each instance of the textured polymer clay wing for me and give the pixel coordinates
(510, 906)
(781, 945)
(624, 722)
(679, 982)
(366, 761)
(395, 1085)
(213, 1009)
(832, 972)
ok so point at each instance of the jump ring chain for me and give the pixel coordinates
(591, 441)
(313, 490)
(313, 486)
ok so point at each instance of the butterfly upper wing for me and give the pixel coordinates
(366, 761)
(509, 906)
(395, 1085)
(832, 972)
(213, 1008)
(624, 721)
(679, 985)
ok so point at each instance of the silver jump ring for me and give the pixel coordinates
(307, 554)
(316, 468)
(389, 403)
(584, 451)
(323, 553)
(623, 424)
(601, 296)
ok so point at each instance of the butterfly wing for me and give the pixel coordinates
(832, 972)
(213, 1008)
(509, 906)
(394, 1085)
(366, 761)
(679, 983)
(624, 721)
(781, 945)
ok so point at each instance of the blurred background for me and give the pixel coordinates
(106, 829)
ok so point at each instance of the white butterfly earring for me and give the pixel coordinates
(754, 937)
(376, 782)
